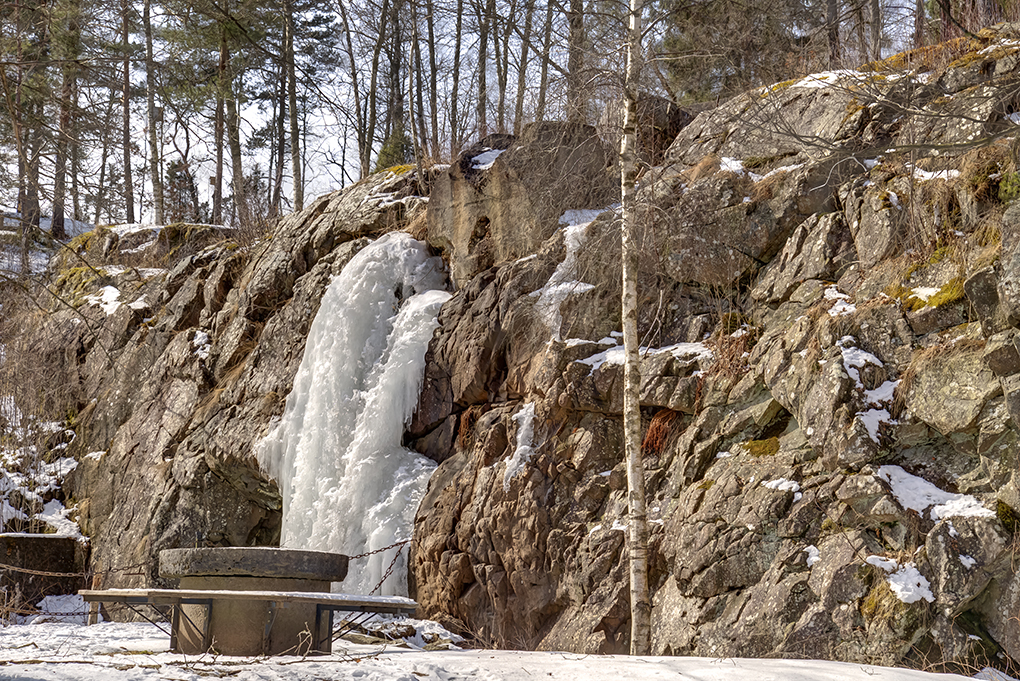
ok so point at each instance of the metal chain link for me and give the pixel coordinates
(91, 573)
(385, 548)
(389, 570)
(41, 573)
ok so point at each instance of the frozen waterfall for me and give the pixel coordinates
(348, 485)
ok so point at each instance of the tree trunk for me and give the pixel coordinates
(483, 48)
(522, 68)
(876, 30)
(501, 54)
(862, 46)
(75, 153)
(454, 130)
(150, 103)
(221, 87)
(362, 133)
(372, 114)
(280, 115)
(543, 83)
(637, 534)
(417, 93)
(576, 103)
(918, 23)
(430, 22)
(67, 50)
(832, 32)
(103, 159)
(129, 190)
(236, 167)
(395, 106)
(31, 212)
(295, 136)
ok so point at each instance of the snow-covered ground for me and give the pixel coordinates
(129, 652)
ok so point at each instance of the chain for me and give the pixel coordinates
(126, 570)
(393, 563)
(41, 573)
(385, 548)
(389, 570)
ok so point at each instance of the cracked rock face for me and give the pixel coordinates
(841, 342)
(504, 196)
(182, 388)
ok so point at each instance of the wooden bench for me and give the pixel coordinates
(322, 634)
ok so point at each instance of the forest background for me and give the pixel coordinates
(231, 111)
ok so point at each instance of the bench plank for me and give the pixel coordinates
(335, 601)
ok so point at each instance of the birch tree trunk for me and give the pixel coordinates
(637, 532)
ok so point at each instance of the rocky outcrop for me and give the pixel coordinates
(504, 196)
(182, 379)
(834, 336)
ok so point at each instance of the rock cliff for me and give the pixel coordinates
(831, 389)
(828, 282)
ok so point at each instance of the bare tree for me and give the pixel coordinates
(129, 192)
(576, 100)
(458, 36)
(295, 141)
(150, 103)
(637, 533)
(66, 46)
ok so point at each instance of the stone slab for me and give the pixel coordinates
(253, 562)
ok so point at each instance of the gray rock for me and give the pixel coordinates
(485, 216)
(819, 248)
(949, 392)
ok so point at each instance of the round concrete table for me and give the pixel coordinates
(249, 627)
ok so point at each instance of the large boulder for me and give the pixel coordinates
(503, 197)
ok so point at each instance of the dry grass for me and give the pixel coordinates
(660, 430)
(466, 427)
(418, 227)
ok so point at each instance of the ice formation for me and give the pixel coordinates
(348, 485)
